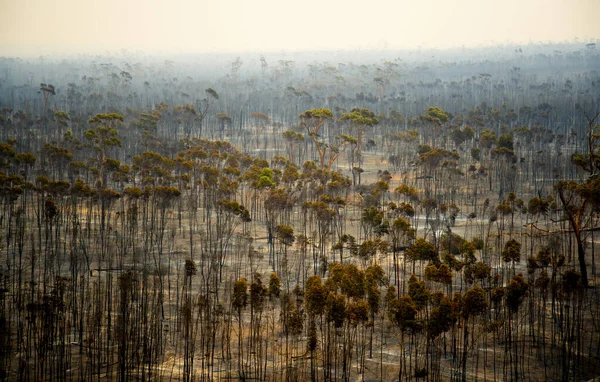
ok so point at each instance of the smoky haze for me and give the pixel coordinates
(34, 27)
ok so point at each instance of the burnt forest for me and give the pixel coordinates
(412, 215)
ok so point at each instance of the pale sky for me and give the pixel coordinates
(34, 27)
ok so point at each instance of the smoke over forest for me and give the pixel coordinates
(381, 215)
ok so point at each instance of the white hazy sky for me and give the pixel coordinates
(34, 27)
